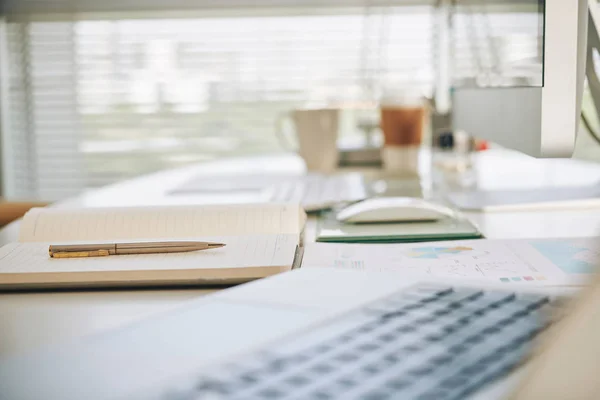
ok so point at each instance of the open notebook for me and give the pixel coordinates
(261, 240)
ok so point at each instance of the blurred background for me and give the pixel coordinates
(94, 92)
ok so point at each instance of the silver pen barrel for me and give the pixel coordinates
(166, 247)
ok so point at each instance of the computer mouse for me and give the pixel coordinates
(393, 209)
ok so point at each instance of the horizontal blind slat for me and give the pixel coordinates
(12, 7)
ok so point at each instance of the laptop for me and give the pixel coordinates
(326, 334)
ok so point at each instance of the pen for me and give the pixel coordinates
(110, 249)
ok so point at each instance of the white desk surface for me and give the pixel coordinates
(32, 319)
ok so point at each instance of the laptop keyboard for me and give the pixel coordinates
(426, 343)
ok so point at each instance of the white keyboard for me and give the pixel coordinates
(314, 191)
(317, 192)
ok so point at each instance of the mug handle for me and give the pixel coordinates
(285, 139)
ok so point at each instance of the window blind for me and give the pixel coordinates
(96, 100)
(96, 92)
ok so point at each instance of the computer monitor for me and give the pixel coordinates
(541, 118)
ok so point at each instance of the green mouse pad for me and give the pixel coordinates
(331, 230)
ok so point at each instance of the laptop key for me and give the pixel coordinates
(398, 383)
(348, 382)
(377, 395)
(271, 393)
(209, 385)
(439, 290)
(248, 378)
(347, 356)
(298, 380)
(322, 368)
(434, 395)
(454, 382)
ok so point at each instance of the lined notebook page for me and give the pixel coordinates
(171, 222)
(240, 252)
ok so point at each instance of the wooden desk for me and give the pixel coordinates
(33, 319)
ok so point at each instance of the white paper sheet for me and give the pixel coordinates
(525, 262)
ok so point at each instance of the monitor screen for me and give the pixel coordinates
(518, 72)
(497, 43)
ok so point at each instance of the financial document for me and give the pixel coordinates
(523, 262)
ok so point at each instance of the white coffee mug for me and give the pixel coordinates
(316, 133)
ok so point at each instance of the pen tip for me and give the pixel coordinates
(216, 245)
